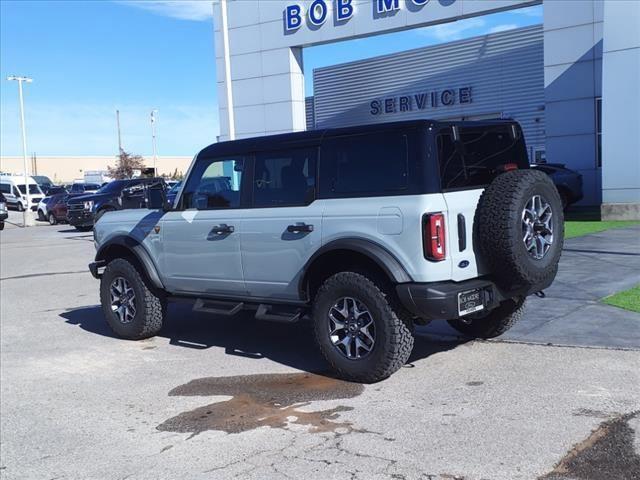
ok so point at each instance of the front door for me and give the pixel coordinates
(283, 229)
(201, 239)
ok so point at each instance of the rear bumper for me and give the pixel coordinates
(80, 218)
(439, 300)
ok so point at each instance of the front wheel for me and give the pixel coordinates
(133, 310)
(360, 330)
(493, 323)
(20, 207)
(2, 225)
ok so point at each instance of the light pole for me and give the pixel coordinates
(27, 219)
(153, 140)
(119, 137)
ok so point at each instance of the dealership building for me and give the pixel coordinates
(572, 82)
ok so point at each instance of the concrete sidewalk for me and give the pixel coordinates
(591, 268)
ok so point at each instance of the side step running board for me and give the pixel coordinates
(216, 307)
(264, 313)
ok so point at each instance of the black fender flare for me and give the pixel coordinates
(139, 252)
(389, 264)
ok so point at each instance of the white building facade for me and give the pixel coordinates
(590, 75)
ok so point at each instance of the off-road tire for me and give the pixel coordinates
(100, 214)
(394, 340)
(498, 230)
(83, 228)
(494, 323)
(151, 305)
(52, 219)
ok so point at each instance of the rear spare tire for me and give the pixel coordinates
(519, 230)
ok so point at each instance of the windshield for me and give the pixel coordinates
(114, 186)
(91, 186)
(33, 189)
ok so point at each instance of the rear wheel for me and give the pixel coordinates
(41, 216)
(132, 308)
(2, 225)
(491, 324)
(52, 219)
(360, 330)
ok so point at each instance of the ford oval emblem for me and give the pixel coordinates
(464, 264)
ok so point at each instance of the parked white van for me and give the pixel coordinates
(14, 190)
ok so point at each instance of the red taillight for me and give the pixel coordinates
(434, 237)
(507, 167)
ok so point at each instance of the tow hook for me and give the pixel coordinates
(540, 294)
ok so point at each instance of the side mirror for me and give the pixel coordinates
(156, 197)
(133, 197)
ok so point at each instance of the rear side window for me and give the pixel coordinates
(285, 178)
(365, 165)
(472, 156)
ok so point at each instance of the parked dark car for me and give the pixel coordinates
(567, 181)
(84, 210)
(57, 208)
(43, 182)
(4, 214)
(56, 189)
(173, 193)
(80, 188)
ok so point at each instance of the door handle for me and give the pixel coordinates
(299, 228)
(222, 229)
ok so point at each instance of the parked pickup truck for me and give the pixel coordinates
(365, 230)
(84, 210)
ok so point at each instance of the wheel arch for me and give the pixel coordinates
(127, 247)
(349, 253)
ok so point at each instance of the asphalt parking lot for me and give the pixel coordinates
(557, 398)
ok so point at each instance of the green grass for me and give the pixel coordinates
(629, 299)
(577, 229)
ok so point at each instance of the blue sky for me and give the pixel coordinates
(90, 58)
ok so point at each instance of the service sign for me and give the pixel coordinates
(420, 101)
(341, 11)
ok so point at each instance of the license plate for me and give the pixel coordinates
(470, 301)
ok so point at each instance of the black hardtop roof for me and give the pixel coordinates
(285, 140)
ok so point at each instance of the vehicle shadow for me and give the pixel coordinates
(244, 336)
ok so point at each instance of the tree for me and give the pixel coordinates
(125, 165)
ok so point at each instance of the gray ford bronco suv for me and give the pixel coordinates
(365, 230)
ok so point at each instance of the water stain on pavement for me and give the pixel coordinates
(608, 453)
(271, 400)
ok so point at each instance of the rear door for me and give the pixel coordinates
(283, 228)
(469, 157)
(201, 239)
